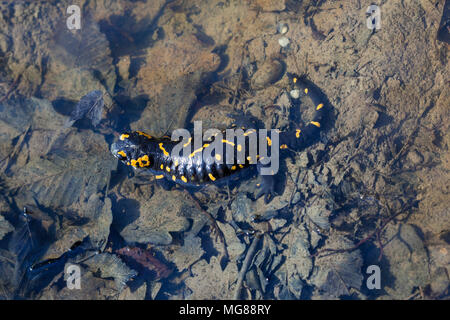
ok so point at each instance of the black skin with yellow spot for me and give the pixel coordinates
(299, 139)
(194, 171)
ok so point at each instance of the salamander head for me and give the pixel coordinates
(129, 149)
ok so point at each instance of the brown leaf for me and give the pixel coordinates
(145, 259)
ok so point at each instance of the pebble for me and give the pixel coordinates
(282, 28)
(283, 41)
(295, 93)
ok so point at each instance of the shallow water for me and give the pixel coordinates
(361, 213)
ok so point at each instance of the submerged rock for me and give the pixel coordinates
(270, 72)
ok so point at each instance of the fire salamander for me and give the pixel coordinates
(140, 150)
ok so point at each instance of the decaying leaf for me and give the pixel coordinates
(110, 266)
(138, 294)
(159, 215)
(188, 253)
(335, 273)
(91, 106)
(209, 281)
(298, 261)
(145, 259)
(92, 287)
(5, 227)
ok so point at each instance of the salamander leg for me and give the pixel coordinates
(267, 186)
(165, 184)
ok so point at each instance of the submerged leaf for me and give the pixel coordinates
(336, 273)
(110, 266)
(5, 227)
(209, 281)
(145, 259)
(91, 106)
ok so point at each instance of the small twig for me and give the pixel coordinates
(16, 150)
(374, 233)
(411, 297)
(410, 137)
(245, 266)
(239, 79)
(11, 88)
(422, 295)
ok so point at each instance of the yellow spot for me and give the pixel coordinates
(196, 151)
(319, 106)
(249, 132)
(206, 145)
(163, 150)
(249, 158)
(269, 142)
(218, 157)
(143, 161)
(144, 134)
(315, 123)
(162, 167)
(258, 185)
(241, 166)
(133, 163)
(123, 154)
(174, 178)
(124, 136)
(239, 148)
(229, 142)
(167, 169)
(188, 143)
(233, 168)
(306, 90)
(159, 176)
(295, 80)
(176, 163)
(128, 163)
(297, 133)
(211, 177)
(184, 179)
(283, 146)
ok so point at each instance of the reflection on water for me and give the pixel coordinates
(372, 190)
